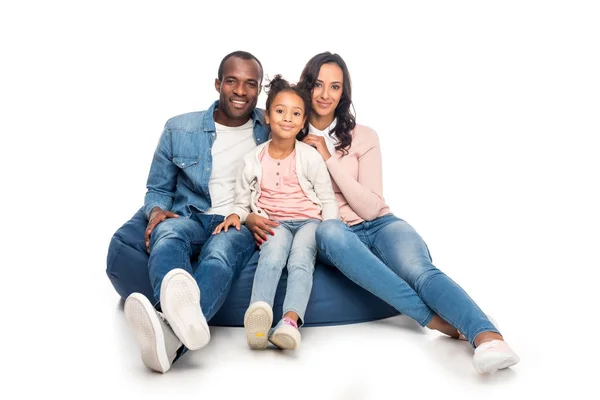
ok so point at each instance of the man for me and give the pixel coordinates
(190, 190)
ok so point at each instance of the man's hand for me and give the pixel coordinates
(157, 215)
(232, 219)
(318, 142)
(260, 226)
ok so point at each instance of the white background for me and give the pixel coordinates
(488, 116)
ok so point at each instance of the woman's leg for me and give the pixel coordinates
(401, 248)
(343, 248)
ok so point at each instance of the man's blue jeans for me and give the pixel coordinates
(293, 244)
(176, 241)
(388, 258)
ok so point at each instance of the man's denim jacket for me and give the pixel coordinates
(182, 164)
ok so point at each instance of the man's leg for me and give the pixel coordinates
(221, 259)
(172, 245)
(173, 242)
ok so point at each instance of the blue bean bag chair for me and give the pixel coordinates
(335, 300)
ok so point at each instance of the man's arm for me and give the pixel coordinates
(162, 179)
(161, 184)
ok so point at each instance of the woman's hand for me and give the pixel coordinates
(232, 219)
(318, 142)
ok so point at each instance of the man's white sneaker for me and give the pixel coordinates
(157, 342)
(257, 322)
(180, 303)
(494, 355)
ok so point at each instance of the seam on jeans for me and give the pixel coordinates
(432, 311)
(448, 320)
(232, 277)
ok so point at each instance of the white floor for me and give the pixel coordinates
(376, 360)
(89, 349)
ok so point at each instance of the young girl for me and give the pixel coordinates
(287, 181)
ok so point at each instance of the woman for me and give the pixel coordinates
(371, 246)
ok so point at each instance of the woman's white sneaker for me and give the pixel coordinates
(494, 355)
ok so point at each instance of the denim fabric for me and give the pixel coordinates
(294, 243)
(334, 299)
(182, 163)
(387, 257)
(176, 241)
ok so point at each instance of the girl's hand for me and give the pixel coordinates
(318, 142)
(260, 227)
(232, 219)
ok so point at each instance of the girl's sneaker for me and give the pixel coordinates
(257, 322)
(494, 355)
(285, 334)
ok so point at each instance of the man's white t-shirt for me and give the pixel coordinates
(228, 151)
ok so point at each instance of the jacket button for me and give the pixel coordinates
(259, 211)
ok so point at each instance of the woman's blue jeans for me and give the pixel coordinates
(388, 258)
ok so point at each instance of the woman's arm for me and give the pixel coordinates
(364, 193)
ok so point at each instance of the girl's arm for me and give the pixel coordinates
(243, 194)
(364, 195)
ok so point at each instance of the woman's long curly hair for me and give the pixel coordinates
(346, 120)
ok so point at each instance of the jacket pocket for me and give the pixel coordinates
(185, 162)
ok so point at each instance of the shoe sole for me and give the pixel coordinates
(180, 303)
(146, 324)
(286, 338)
(257, 322)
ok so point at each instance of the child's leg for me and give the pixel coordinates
(272, 258)
(300, 265)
